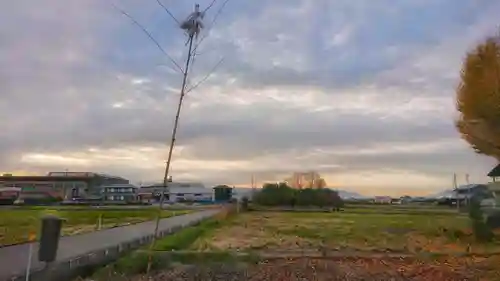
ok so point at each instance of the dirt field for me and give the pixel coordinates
(410, 233)
(332, 270)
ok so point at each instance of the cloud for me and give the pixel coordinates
(361, 92)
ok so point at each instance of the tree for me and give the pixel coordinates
(283, 195)
(478, 98)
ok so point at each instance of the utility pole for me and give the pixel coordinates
(455, 188)
(192, 27)
(467, 201)
(253, 185)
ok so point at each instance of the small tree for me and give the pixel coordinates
(478, 98)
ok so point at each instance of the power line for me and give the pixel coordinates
(168, 12)
(209, 6)
(217, 14)
(195, 53)
(179, 68)
(205, 77)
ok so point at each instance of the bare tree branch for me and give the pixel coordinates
(150, 37)
(168, 12)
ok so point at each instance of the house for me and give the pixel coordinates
(124, 193)
(8, 195)
(382, 200)
(494, 185)
(494, 174)
(465, 193)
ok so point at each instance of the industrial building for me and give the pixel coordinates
(60, 186)
(176, 192)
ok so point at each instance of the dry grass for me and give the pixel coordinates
(341, 269)
(346, 232)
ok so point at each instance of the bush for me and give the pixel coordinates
(493, 220)
(482, 231)
(283, 195)
(244, 204)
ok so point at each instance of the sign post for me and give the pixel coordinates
(31, 239)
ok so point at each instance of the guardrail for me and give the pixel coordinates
(71, 268)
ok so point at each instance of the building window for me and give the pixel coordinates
(180, 194)
(197, 194)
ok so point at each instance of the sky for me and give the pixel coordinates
(360, 91)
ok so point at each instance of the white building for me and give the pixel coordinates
(119, 192)
(177, 192)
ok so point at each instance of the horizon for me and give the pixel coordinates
(361, 93)
(369, 192)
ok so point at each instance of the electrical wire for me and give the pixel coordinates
(168, 12)
(179, 68)
(195, 53)
(217, 14)
(205, 77)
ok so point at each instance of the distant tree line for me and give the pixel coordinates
(281, 194)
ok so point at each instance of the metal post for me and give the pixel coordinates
(30, 254)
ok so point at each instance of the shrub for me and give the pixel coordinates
(244, 204)
(493, 220)
(482, 231)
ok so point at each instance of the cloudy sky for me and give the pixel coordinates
(361, 91)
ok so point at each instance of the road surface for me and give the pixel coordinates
(13, 259)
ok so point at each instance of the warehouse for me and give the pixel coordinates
(177, 192)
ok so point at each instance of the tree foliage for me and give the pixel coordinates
(478, 98)
(282, 195)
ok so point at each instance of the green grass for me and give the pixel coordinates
(172, 249)
(187, 236)
(16, 224)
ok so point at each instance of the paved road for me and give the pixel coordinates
(13, 259)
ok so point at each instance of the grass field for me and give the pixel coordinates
(16, 224)
(344, 231)
(221, 245)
